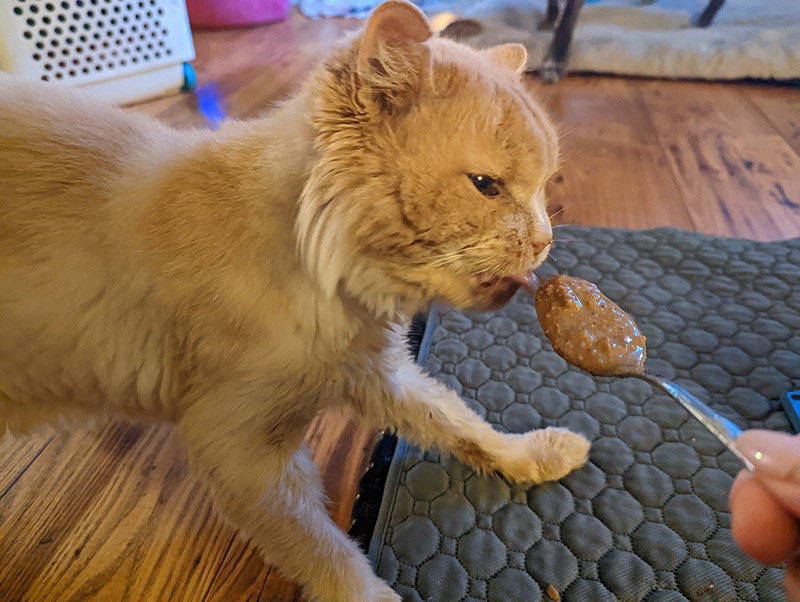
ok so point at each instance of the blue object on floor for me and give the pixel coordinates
(189, 78)
(791, 405)
(210, 105)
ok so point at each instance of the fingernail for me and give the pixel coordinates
(773, 454)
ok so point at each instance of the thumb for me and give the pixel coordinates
(776, 459)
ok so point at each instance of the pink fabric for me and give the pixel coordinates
(225, 13)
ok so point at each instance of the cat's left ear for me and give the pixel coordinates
(391, 57)
(510, 56)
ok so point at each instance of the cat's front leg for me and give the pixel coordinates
(429, 414)
(272, 491)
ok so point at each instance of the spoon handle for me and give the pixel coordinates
(722, 428)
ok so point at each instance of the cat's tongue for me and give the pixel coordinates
(530, 282)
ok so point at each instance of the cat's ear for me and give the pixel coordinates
(391, 57)
(510, 56)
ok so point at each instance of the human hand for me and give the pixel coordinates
(765, 503)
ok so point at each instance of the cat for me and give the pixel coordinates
(236, 282)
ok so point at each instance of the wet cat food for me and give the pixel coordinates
(587, 329)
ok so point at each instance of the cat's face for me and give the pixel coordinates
(434, 162)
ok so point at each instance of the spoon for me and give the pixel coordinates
(593, 333)
(722, 428)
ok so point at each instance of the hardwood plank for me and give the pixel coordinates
(781, 107)
(34, 522)
(16, 456)
(278, 589)
(242, 575)
(737, 174)
(122, 520)
(607, 136)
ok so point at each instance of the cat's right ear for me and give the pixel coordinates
(391, 57)
(509, 56)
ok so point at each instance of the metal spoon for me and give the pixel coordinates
(722, 428)
(577, 317)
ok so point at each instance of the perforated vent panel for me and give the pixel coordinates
(121, 50)
(70, 39)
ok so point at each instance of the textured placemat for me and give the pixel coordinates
(647, 518)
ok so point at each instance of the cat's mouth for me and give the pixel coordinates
(493, 293)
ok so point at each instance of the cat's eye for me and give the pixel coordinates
(486, 185)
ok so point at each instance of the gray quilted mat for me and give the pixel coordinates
(647, 518)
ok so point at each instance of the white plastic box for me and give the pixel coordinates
(121, 50)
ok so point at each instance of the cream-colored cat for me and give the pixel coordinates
(236, 282)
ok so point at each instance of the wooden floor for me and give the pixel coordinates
(111, 514)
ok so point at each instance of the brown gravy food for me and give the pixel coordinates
(587, 329)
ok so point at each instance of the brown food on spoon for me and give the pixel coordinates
(587, 329)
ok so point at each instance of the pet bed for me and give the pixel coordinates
(647, 518)
(653, 38)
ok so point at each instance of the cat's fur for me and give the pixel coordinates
(237, 282)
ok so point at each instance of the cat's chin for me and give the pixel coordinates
(495, 293)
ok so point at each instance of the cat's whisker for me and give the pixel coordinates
(444, 258)
(482, 258)
(448, 256)
(482, 264)
(557, 213)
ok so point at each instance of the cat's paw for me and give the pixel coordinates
(547, 455)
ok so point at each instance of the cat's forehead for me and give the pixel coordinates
(506, 120)
(535, 139)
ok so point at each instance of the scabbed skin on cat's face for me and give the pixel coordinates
(433, 159)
